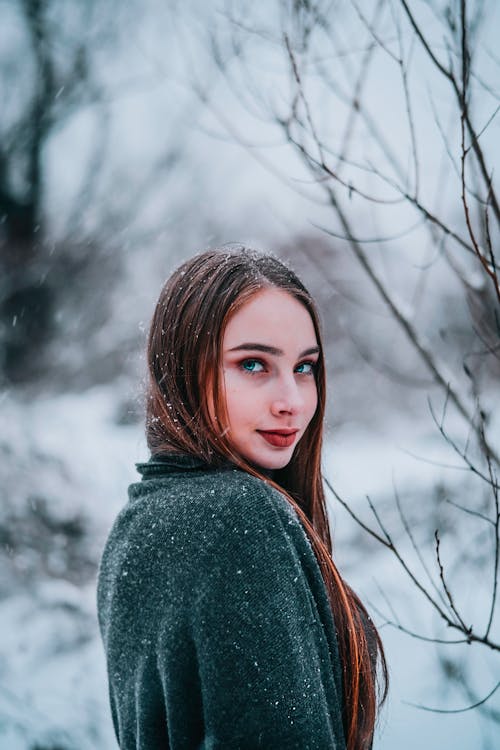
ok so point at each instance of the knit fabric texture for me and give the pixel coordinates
(215, 618)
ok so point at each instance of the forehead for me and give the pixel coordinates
(274, 317)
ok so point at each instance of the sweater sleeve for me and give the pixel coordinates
(264, 664)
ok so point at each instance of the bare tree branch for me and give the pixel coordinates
(455, 710)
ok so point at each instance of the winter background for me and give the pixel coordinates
(132, 136)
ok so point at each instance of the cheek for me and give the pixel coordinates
(237, 411)
(235, 399)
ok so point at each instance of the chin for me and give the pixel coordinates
(271, 462)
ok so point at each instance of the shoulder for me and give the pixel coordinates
(184, 531)
(238, 496)
(204, 499)
(188, 513)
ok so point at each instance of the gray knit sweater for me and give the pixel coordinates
(215, 618)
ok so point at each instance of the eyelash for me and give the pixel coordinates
(260, 362)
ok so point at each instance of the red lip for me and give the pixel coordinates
(279, 438)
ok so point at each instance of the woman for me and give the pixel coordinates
(225, 621)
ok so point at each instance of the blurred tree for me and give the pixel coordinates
(42, 87)
(72, 198)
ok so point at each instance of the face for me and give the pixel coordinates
(270, 352)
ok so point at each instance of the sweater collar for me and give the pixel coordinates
(161, 464)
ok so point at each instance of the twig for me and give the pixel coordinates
(396, 624)
(463, 455)
(320, 162)
(447, 591)
(454, 710)
(470, 512)
(494, 486)
(387, 541)
(464, 151)
(354, 109)
(456, 88)
(414, 544)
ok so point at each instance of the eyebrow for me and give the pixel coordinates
(254, 347)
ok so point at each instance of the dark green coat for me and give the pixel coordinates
(215, 618)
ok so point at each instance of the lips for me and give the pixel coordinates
(279, 438)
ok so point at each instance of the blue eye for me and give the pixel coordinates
(252, 365)
(306, 368)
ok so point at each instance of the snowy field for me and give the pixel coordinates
(65, 471)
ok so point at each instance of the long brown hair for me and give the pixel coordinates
(184, 361)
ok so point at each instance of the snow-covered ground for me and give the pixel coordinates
(65, 471)
(53, 691)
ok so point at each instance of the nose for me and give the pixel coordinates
(287, 398)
